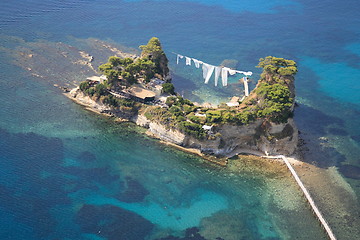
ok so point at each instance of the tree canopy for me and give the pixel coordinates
(275, 103)
(153, 51)
(276, 65)
(152, 47)
(168, 88)
(126, 71)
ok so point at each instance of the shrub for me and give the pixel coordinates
(170, 101)
(168, 88)
(187, 102)
(274, 65)
(153, 51)
(180, 118)
(101, 89)
(192, 129)
(104, 68)
(175, 110)
(84, 86)
(112, 76)
(188, 109)
(90, 91)
(126, 61)
(228, 117)
(128, 77)
(276, 102)
(213, 116)
(246, 116)
(114, 61)
(194, 119)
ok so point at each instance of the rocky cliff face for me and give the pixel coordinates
(159, 130)
(169, 135)
(258, 138)
(271, 104)
(82, 99)
(97, 106)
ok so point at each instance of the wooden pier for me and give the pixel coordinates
(308, 197)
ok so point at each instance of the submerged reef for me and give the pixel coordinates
(113, 222)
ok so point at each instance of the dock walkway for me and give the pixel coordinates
(308, 197)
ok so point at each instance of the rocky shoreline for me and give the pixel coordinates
(140, 120)
(234, 140)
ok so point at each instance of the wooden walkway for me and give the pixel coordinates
(308, 197)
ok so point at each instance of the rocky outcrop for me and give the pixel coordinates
(141, 121)
(79, 97)
(262, 124)
(270, 106)
(154, 52)
(97, 106)
(258, 138)
(166, 134)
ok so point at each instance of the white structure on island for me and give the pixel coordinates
(234, 102)
(246, 86)
(96, 79)
(219, 72)
(208, 70)
(207, 127)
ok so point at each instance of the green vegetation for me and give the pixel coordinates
(84, 86)
(168, 88)
(189, 119)
(272, 99)
(93, 91)
(274, 68)
(179, 101)
(276, 104)
(100, 92)
(183, 115)
(192, 129)
(153, 51)
(123, 72)
(178, 116)
(127, 71)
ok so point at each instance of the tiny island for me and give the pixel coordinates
(139, 89)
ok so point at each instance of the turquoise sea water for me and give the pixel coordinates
(66, 173)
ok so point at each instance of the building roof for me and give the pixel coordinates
(141, 92)
(235, 99)
(233, 102)
(94, 78)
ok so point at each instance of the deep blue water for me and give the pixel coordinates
(66, 173)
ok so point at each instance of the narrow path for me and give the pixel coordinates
(116, 94)
(308, 197)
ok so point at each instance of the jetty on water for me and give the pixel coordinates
(308, 197)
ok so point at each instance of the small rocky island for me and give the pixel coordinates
(139, 89)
